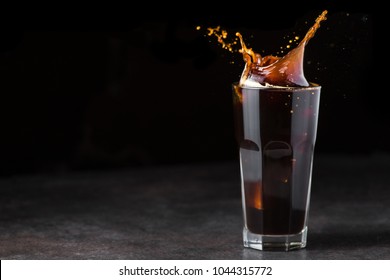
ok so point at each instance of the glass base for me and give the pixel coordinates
(275, 242)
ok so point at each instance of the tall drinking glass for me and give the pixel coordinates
(276, 132)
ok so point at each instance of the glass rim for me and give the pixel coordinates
(311, 86)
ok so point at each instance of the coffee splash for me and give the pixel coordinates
(286, 71)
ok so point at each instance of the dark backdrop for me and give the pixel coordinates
(129, 91)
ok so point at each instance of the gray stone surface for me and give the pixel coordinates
(187, 212)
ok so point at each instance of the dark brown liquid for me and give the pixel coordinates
(276, 131)
(276, 121)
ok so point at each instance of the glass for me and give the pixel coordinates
(275, 128)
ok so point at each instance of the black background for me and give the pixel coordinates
(96, 91)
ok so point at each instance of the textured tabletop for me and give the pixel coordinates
(189, 211)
